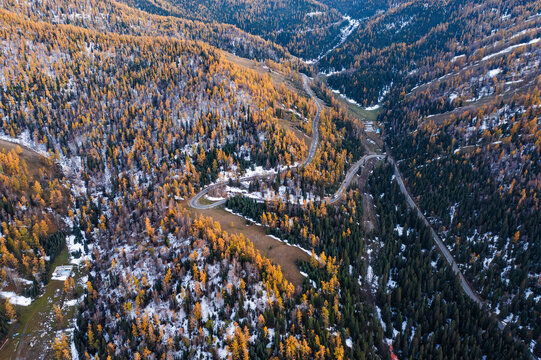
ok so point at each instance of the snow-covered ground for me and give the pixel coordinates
(294, 245)
(345, 32)
(373, 107)
(74, 247)
(15, 299)
(509, 49)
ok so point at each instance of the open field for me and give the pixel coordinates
(31, 336)
(277, 77)
(39, 167)
(279, 253)
(370, 220)
(360, 113)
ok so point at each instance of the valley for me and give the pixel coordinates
(186, 179)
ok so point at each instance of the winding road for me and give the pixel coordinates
(466, 287)
(194, 202)
(350, 174)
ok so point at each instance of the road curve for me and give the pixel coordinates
(194, 202)
(349, 176)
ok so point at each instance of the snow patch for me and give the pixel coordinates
(15, 299)
(509, 49)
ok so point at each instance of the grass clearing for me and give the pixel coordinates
(359, 112)
(39, 167)
(205, 201)
(31, 336)
(279, 253)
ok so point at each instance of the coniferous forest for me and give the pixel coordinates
(272, 179)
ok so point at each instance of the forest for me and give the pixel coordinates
(126, 167)
(303, 27)
(468, 145)
(33, 202)
(415, 299)
(116, 115)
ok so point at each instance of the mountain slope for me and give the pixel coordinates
(112, 16)
(465, 130)
(305, 28)
(140, 123)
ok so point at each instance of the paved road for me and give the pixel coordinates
(349, 176)
(437, 240)
(194, 202)
(315, 123)
(472, 294)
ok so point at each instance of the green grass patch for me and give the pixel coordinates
(36, 321)
(204, 201)
(355, 111)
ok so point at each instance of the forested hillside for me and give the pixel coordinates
(418, 297)
(460, 81)
(209, 106)
(143, 122)
(332, 232)
(34, 199)
(469, 146)
(337, 151)
(158, 133)
(113, 16)
(360, 9)
(416, 42)
(412, 295)
(198, 292)
(305, 28)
